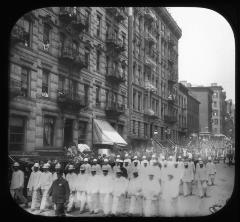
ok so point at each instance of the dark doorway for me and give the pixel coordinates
(151, 130)
(68, 132)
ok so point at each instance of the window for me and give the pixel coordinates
(62, 39)
(61, 81)
(215, 112)
(45, 76)
(124, 38)
(26, 27)
(215, 130)
(82, 132)
(139, 128)
(17, 133)
(87, 56)
(134, 129)
(98, 60)
(25, 82)
(215, 104)
(215, 121)
(88, 21)
(215, 95)
(73, 88)
(134, 99)
(107, 95)
(46, 34)
(97, 96)
(86, 93)
(108, 34)
(139, 101)
(48, 131)
(145, 129)
(99, 18)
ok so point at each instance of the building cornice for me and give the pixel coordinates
(168, 19)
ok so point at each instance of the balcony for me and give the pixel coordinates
(115, 76)
(15, 88)
(149, 86)
(72, 57)
(68, 100)
(18, 34)
(116, 44)
(151, 114)
(170, 119)
(149, 16)
(67, 14)
(114, 109)
(171, 99)
(80, 22)
(117, 13)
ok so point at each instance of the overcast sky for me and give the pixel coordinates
(206, 48)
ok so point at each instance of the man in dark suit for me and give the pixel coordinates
(60, 193)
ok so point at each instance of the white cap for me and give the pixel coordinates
(144, 161)
(153, 155)
(126, 155)
(85, 159)
(144, 157)
(117, 160)
(105, 160)
(36, 165)
(45, 166)
(120, 161)
(71, 167)
(58, 166)
(170, 157)
(95, 160)
(126, 161)
(135, 161)
(118, 156)
(135, 157)
(16, 164)
(209, 158)
(179, 157)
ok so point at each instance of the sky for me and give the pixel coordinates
(206, 50)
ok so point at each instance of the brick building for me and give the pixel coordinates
(68, 65)
(153, 75)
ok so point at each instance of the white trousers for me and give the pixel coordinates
(105, 203)
(135, 206)
(71, 203)
(150, 208)
(93, 202)
(35, 199)
(211, 179)
(118, 205)
(82, 198)
(187, 187)
(202, 187)
(45, 199)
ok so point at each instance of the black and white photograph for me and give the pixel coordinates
(121, 112)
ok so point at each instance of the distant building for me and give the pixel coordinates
(204, 96)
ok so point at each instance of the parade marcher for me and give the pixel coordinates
(120, 185)
(135, 166)
(192, 166)
(17, 184)
(60, 192)
(98, 167)
(134, 192)
(144, 160)
(127, 166)
(45, 183)
(105, 191)
(87, 166)
(57, 168)
(81, 187)
(123, 169)
(153, 160)
(201, 178)
(187, 179)
(106, 163)
(93, 191)
(143, 169)
(71, 178)
(177, 173)
(116, 166)
(150, 191)
(32, 186)
(211, 171)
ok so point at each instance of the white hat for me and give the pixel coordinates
(209, 158)
(154, 155)
(179, 157)
(85, 159)
(120, 161)
(105, 160)
(16, 164)
(126, 161)
(95, 160)
(45, 166)
(118, 156)
(126, 155)
(71, 167)
(170, 157)
(57, 166)
(144, 161)
(117, 160)
(104, 168)
(144, 157)
(36, 165)
(135, 157)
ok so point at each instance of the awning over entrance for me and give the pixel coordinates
(105, 134)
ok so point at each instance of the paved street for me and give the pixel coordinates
(191, 205)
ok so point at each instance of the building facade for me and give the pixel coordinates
(68, 66)
(192, 115)
(218, 108)
(204, 96)
(153, 75)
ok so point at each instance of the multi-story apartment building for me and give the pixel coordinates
(153, 75)
(218, 103)
(204, 96)
(229, 121)
(68, 68)
(182, 113)
(192, 115)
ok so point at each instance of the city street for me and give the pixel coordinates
(191, 205)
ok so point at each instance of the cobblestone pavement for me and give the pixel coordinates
(191, 205)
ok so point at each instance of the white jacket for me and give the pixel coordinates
(17, 180)
(211, 168)
(71, 179)
(120, 186)
(134, 186)
(105, 184)
(81, 182)
(34, 179)
(150, 189)
(46, 180)
(93, 184)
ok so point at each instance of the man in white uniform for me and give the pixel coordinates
(17, 184)
(87, 166)
(201, 178)
(33, 185)
(211, 171)
(71, 178)
(98, 167)
(45, 183)
(187, 179)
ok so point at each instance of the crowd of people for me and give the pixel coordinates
(122, 184)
